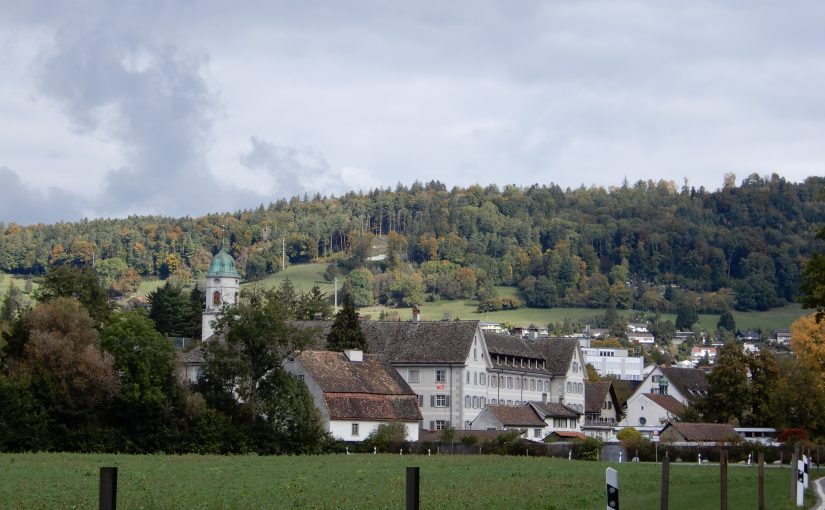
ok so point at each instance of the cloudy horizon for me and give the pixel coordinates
(185, 108)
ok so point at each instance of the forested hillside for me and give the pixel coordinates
(743, 244)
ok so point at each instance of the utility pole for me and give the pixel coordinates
(336, 294)
(283, 254)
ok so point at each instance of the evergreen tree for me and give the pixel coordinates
(346, 330)
(726, 322)
(171, 310)
(80, 283)
(728, 396)
(313, 304)
(686, 315)
(12, 303)
(197, 300)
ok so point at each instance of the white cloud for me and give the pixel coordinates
(138, 111)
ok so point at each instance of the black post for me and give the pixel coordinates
(793, 473)
(761, 480)
(108, 488)
(665, 482)
(413, 493)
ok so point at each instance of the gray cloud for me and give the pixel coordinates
(24, 204)
(351, 94)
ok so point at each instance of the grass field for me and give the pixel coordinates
(303, 277)
(38, 481)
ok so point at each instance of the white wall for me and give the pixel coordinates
(639, 406)
(342, 429)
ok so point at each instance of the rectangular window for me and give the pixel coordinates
(440, 376)
(494, 381)
(420, 400)
(547, 386)
(509, 382)
(475, 402)
(537, 433)
(518, 383)
(440, 424)
(414, 376)
(475, 378)
(354, 429)
(533, 384)
(441, 401)
(475, 354)
(482, 379)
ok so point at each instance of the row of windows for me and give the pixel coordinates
(474, 402)
(481, 379)
(521, 362)
(573, 387)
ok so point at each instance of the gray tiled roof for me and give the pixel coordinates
(692, 383)
(411, 342)
(192, 356)
(343, 406)
(715, 432)
(667, 403)
(558, 353)
(554, 410)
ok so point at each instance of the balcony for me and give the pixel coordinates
(593, 421)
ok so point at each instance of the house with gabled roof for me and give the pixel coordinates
(603, 412)
(684, 384)
(646, 410)
(356, 393)
(678, 432)
(523, 418)
(558, 417)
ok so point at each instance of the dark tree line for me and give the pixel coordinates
(79, 374)
(574, 247)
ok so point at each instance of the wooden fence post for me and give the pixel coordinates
(793, 472)
(723, 479)
(413, 493)
(108, 488)
(761, 480)
(663, 500)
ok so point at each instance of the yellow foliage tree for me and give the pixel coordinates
(808, 343)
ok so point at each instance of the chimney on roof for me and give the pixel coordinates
(354, 355)
(416, 314)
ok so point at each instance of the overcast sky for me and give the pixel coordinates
(183, 108)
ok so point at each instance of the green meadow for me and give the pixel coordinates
(49, 480)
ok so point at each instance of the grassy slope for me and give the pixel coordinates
(366, 481)
(303, 277)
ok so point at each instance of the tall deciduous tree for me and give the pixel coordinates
(808, 343)
(728, 393)
(346, 330)
(80, 283)
(243, 375)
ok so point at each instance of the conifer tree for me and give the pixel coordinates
(346, 330)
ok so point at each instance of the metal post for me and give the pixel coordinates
(761, 480)
(663, 500)
(800, 483)
(723, 479)
(108, 488)
(413, 493)
(612, 482)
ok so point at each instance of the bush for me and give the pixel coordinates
(387, 437)
(589, 449)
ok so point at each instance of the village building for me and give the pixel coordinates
(701, 433)
(356, 393)
(558, 417)
(602, 409)
(662, 396)
(650, 411)
(609, 361)
(522, 418)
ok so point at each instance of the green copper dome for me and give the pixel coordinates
(223, 265)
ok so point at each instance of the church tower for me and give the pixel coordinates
(222, 287)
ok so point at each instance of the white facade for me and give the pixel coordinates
(220, 291)
(615, 362)
(641, 338)
(644, 412)
(651, 384)
(359, 430)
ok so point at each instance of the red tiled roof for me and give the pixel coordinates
(516, 416)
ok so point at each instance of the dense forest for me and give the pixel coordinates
(742, 245)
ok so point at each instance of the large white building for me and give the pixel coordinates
(610, 361)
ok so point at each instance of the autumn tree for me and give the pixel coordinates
(728, 393)
(808, 343)
(72, 377)
(359, 287)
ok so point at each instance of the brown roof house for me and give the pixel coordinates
(356, 393)
(677, 432)
(524, 418)
(681, 386)
(603, 411)
(558, 417)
